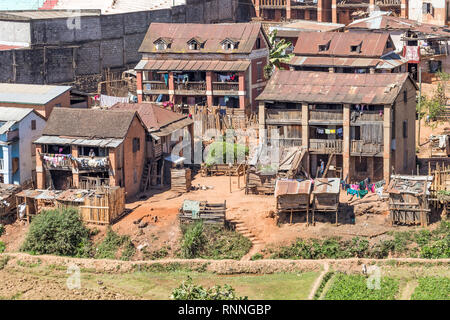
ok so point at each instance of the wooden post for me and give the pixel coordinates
(291, 217)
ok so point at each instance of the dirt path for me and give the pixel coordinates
(316, 285)
(409, 290)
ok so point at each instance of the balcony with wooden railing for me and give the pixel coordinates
(284, 116)
(363, 148)
(325, 146)
(227, 88)
(326, 116)
(57, 161)
(191, 88)
(368, 116)
(272, 3)
(434, 50)
(155, 87)
(365, 3)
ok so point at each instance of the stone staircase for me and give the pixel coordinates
(257, 243)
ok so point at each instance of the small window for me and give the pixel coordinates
(58, 105)
(405, 129)
(427, 8)
(361, 164)
(323, 47)
(258, 43)
(136, 145)
(33, 124)
(389, 45)
(405, 96)
(355, 48)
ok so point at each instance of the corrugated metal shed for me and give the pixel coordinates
(410, 184)
(333, 88)
(283, 187)
(326, 185)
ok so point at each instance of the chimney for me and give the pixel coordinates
(404, 9)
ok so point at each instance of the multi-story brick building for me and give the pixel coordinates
(337, 11)
(85, 148)
(204, 64)
(365, 122)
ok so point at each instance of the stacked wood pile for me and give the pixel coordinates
(180, 180)
(370, 204)
(207, 212)
(259, 182)
(222, 169)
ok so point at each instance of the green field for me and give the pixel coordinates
(432, 288)
(159, 285)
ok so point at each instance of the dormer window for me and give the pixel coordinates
(229, 44)
(356, 48)
(195, 44)
(162, 44)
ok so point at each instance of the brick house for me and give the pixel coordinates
(365, 122)
(86, 148)
(203, 64)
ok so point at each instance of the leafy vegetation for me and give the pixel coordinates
(277, 54)
(2, 229)
(2, 247)
(355, 287)
(218, 151)
(59, 232)
(424, 244)
(432, 288)
(323, 283)
(434, 106)
(110, 246)
(213, 242)
(190, 291)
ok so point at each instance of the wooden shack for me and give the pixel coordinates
(409, 199)
(293, 196)
(31, 202)
(325, 196)
(193, 210)
(440, 189)
(102, 206)
(8, 198)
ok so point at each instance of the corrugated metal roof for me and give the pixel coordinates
(104, 143)
(326, 185)
(333, 88)
(245, 34)
(30, 93)
(188, 65)
(333, 62)
(283, 187)
(410, 184)
(372, 44)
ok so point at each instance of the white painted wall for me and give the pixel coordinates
(15, 33)
(26, 138)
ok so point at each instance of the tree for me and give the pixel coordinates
(277, 54)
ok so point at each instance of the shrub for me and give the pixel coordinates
(2, 247)
(109, 247)
(257, 256)
(2, 229)
(193, 240)
(189, 291)
(59, 232)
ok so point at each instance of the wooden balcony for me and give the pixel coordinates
(434, 50)
(272, 3)
(325, 146)
(284, 116)
(326, 116)
(191, 88)
(155, 87)
(226, 88)
(360, 147)
(369, 116)
(57, 162)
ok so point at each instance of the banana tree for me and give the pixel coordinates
(277, 54)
